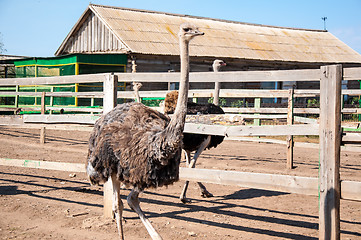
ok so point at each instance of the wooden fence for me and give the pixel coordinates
(329, 130)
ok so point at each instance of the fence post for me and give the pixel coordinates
(289, 139)
(330, 140)
(17, 96)
(42, 129)
(217, 88)
(110, 87)
(257, 105)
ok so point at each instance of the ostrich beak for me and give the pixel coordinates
(198, 33)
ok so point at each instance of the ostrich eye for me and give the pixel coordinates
(186, 29)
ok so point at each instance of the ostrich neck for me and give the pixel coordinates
(215, 69)
(178, 119)
(137, 97)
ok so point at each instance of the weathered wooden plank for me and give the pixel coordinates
(271, 110)
(109, 102)
(351, 190)
(224, 93)
(63, 118)
(352, 73)
(69, 109)
(272, 182)
(242, 93)
(351, 137)
(223, 119)
(59, 166)
(351, 92)
(65, 127)
(13, 120)
(54, 94)
(42, 129)
(233, 131)
(110, 93)
(86, 78)
(305, 120)
(330, 140)
(289, 139)
(262, 116)
(239, 76)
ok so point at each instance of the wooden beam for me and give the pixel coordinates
(272, 182)
(64, 127)
(54, 94)
(62, 118)
(330, 140)
(109, 102)
(85, 78)
(352, 73)
(351, 190)
(59, 166)
(42, 129)
(271, 110)
(257, 105)
(239, 76)
(234, 131)
(289, 139)
(351, 137)
(305, 120)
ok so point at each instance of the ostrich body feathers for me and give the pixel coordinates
(132, 142)
(191, 141)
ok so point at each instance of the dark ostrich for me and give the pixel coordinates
(195, 142)
(140, 147)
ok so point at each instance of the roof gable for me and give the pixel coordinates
(149, 32)
(91, 34)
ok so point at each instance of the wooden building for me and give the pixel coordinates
(150, 41)
(151, 38)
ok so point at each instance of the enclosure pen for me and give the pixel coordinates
(328, 185)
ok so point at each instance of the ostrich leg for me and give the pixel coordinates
(133, 202)
(118, 207)
(192, 164)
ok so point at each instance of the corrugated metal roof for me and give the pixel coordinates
(148, 32)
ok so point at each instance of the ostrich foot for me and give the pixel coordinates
(206, 194)
(204, 191)
(186, 200)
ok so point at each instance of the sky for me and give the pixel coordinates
(36, 28)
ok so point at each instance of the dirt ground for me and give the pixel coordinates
(44, 204)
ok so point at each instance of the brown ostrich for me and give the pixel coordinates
(195, 142)
(140, 147)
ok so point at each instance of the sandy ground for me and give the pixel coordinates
(43, 204)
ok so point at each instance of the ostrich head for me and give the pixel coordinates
(137, 86)
(217, 64)
(188, 31)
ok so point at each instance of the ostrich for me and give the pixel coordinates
(140, 147)
(195, 142)
(136, 87)
(217, 64)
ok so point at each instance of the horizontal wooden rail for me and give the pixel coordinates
(59, 166)
(225, 93)
(62, 118)
(235, 131)
(239, 76)
(350, 190)
(352, 73)
(54, 94)
(86, 78)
